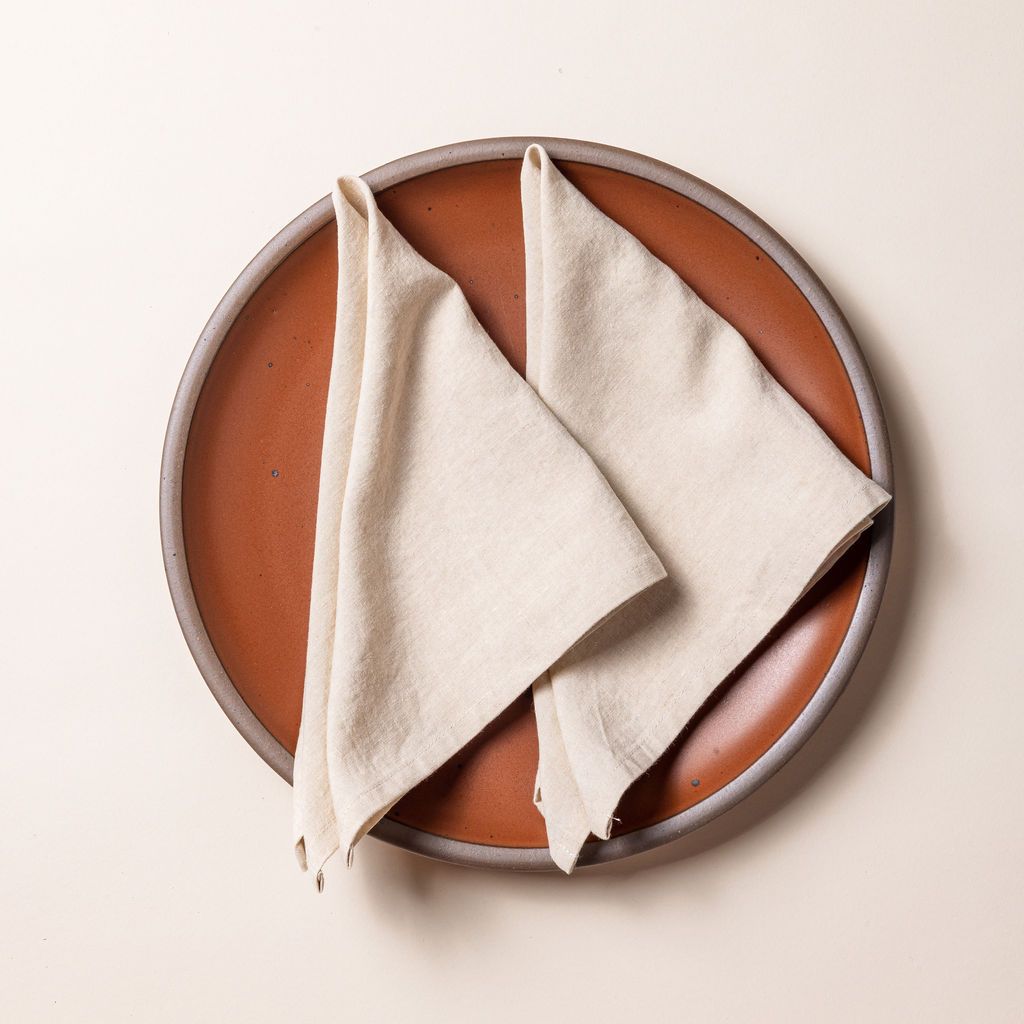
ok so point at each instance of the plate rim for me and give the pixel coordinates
(273, 254)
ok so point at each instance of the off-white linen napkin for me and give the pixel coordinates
(464, 541)
(740, 493)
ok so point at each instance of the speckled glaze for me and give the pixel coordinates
(241, 465)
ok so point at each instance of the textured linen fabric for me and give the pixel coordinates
(740, 493)
(464, 541)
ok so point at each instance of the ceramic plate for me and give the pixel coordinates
(242, 457)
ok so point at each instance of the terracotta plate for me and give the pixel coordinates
(241, 464)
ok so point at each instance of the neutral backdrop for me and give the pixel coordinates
(146, 870)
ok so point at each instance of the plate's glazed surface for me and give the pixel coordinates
(249, 476)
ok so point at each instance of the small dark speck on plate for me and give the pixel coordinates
(274, 472)
(694, 782)
(270, 364)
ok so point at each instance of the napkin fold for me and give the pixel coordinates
(464, 540)
(744, 498)
(620, 530)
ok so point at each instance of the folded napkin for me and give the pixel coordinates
(737, 489)
(620, 531)
(464, 541)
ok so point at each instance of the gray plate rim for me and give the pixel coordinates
(318, 215)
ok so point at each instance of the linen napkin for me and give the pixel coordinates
(743, 497)
(464, 541)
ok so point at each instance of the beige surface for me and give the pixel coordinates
(145, 868)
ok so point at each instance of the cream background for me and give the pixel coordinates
(145, 865)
